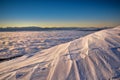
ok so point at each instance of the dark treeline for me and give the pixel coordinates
(47, 29)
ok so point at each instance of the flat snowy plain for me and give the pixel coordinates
(15, 44)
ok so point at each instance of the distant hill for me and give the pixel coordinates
(47, 29)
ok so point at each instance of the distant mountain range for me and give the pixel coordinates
(34, 28)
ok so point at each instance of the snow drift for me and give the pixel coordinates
(93, 57)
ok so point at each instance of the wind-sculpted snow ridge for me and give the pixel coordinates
(93, 57)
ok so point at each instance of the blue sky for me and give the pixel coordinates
(59, 13)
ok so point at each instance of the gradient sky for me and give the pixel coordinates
(59, 13)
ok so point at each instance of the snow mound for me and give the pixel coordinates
(93, 57)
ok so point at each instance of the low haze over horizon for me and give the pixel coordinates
(59, 13)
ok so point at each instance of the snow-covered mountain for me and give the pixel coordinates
(93, 57)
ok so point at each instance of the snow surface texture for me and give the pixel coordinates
(93, 57)
(13, 44)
